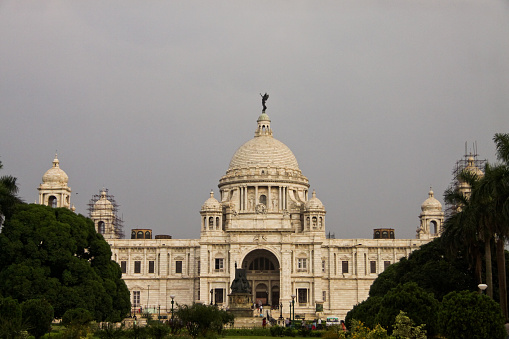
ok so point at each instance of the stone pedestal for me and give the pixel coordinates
(240, 304)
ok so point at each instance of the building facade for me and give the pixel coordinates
(266, 221)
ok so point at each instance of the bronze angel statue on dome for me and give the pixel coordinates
(265, 97)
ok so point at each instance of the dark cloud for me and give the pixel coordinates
(151, 100)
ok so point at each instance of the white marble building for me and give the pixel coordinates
(264, 221)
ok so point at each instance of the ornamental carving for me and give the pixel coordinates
(261, 209)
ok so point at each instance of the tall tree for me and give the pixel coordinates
(8, 197)
(54, 254)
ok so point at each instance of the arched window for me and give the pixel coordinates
(133, 235)
(217, 222)
(100, 227)
(320, 222)
(211, 222)
(261, 264)
(52, 201)
(140, 235)
(385, 235)
(433, 227)
(263, 199)
(148, 235)
(314, 222)
(204, 223)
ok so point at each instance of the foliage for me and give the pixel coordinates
(203, 319)
(420, 306)
(358, 330)
(110, 331)
(10, 318)
(158, 330)
(277, 331)
(470, 315)
(137, 332)
(432, 268)
(54, 254)
(8, 197)
(37, 315)
(403, 328)
(366, 311)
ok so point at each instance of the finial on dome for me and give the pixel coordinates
(211, 193)
(314, 194)
(55, 161)
(430, 193)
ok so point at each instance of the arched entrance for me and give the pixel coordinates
(262, 270)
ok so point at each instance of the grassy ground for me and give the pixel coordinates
(260, 337)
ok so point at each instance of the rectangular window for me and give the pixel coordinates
(324, 295)
(151, 266)
(373, 266)
(323, 266)
(344, 265)
(137, 267)
(302, 264)
(136, 298)
(302, 295)
(123, 266)
(219, 264)
(178, 266)
(386, 264)
(199, 269)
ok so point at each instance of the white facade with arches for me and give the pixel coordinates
(266, 221)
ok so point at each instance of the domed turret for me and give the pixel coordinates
(431, 204)
(431, 217)
(314, 203)
(54, 191)
(103, 203)
(211, 204)
(55, 175)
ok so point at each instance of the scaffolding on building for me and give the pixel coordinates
(117, 222)
(458, 168)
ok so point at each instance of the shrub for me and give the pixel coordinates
(468, 314)
(37, 315)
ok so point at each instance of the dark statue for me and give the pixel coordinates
(265, 97)
(240, 284)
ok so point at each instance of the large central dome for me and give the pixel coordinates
(263, 159)
(264, 151)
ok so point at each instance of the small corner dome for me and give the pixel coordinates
(103, 203)
(55, 175)
(431, 204)
(314, 203)
(472, 168)
(211, 203)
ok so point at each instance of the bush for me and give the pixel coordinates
(277, 331)
(468, 314)
(10, 318)
(37, 315)
(418, 304)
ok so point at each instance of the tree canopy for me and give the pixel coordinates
(56, 255)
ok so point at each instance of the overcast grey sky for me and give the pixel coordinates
(151, 99)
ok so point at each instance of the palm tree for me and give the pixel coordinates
(467, 228)
(8, 198)
(493, 193)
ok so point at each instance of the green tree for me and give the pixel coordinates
(420, 306)
(8, 197)
(365, 311)
(203, 319)
(404, 328)
(54, 254)
(10, 318)
(431, 268)
(470, 315)
(37, 315)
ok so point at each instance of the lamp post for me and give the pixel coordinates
(482, 287)
(293, 306)
(172, 297)
(281, 311)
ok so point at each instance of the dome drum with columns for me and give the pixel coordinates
(265, 222)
